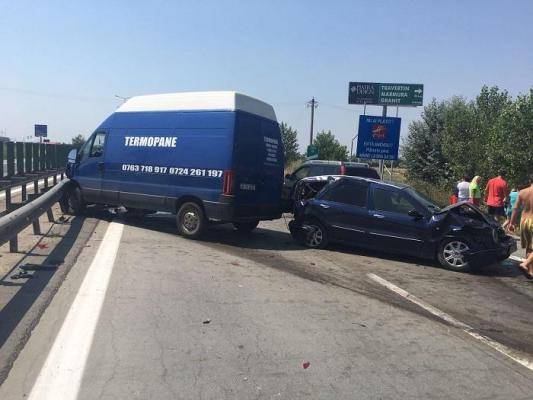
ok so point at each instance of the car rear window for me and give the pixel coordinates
(363, 172)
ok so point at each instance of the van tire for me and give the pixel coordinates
(76, 204)
(246, 227)
(191, 220)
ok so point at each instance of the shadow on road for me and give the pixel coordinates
(17, 307)
(270, 239)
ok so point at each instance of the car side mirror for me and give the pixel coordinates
(72, 156)
(288, 176)
(415, 214)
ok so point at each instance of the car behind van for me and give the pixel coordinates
(205, 156)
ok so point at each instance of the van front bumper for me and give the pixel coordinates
(226, 210)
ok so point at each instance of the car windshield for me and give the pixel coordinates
(422, 199)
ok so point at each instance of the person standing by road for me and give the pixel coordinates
(513, 197)
(475, 191)
(463, 188)
(525, 203)
(496, 194)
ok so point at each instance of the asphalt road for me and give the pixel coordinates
(258, 317)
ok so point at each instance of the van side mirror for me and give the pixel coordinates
(72, 156)
(415, 214)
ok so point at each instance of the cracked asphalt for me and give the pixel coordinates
(273, 306)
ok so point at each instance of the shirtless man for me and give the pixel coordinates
(525, 200)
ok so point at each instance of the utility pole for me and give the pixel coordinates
(313, 104)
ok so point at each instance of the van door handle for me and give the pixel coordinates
(324, 206)
(380, 216)
(101, 166)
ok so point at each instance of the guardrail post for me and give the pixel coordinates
(36, 187)
(14, 244)
(36, 227)
(8, 199)
(2, 158)
(24, 193)
(10, 146)
(50, 215)
(20, 158)
(28, 156)
(46, 182)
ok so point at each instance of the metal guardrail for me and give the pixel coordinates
(7, 186)
(14, 222)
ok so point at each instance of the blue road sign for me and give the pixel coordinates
(378, 137)
(41, 130)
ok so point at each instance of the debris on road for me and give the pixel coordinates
(21, 275)
(38, 267)
(207, 321)
(42, 246)
(306, 364)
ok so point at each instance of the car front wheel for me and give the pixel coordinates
(315, 234)
(452, 254)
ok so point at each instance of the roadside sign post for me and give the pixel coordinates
(378, 138)
(41, 131)
(312, 152)
(385, 94)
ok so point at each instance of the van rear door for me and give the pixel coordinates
(258, 166)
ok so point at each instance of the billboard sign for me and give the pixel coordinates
(41, 130)
(390, 94)
(378, 137)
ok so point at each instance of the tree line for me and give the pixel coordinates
(329, 148)
(460, 137)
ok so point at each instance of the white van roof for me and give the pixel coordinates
(195, 101)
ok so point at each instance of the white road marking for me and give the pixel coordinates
(516, 258)
(506, 351)
(19, 189)
(61, 375)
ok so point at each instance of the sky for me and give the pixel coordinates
(63, 62)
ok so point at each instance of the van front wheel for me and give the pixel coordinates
(191, 220)
(246, 227)
(75, 201)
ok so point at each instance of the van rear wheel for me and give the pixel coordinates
(245, 227)
(191, 220)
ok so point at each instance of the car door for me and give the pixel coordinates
(290, 181)
(343, 208)
(392, 228)
(91, 168)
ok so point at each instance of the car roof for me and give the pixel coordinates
(322, 162)
(396, 185)
(331, 162)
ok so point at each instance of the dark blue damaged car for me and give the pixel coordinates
(395, 218)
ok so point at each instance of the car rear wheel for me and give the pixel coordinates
(315, 234)
(246, 227)
(452, 255)
(191, 220)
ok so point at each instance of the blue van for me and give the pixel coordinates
(205, 156)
